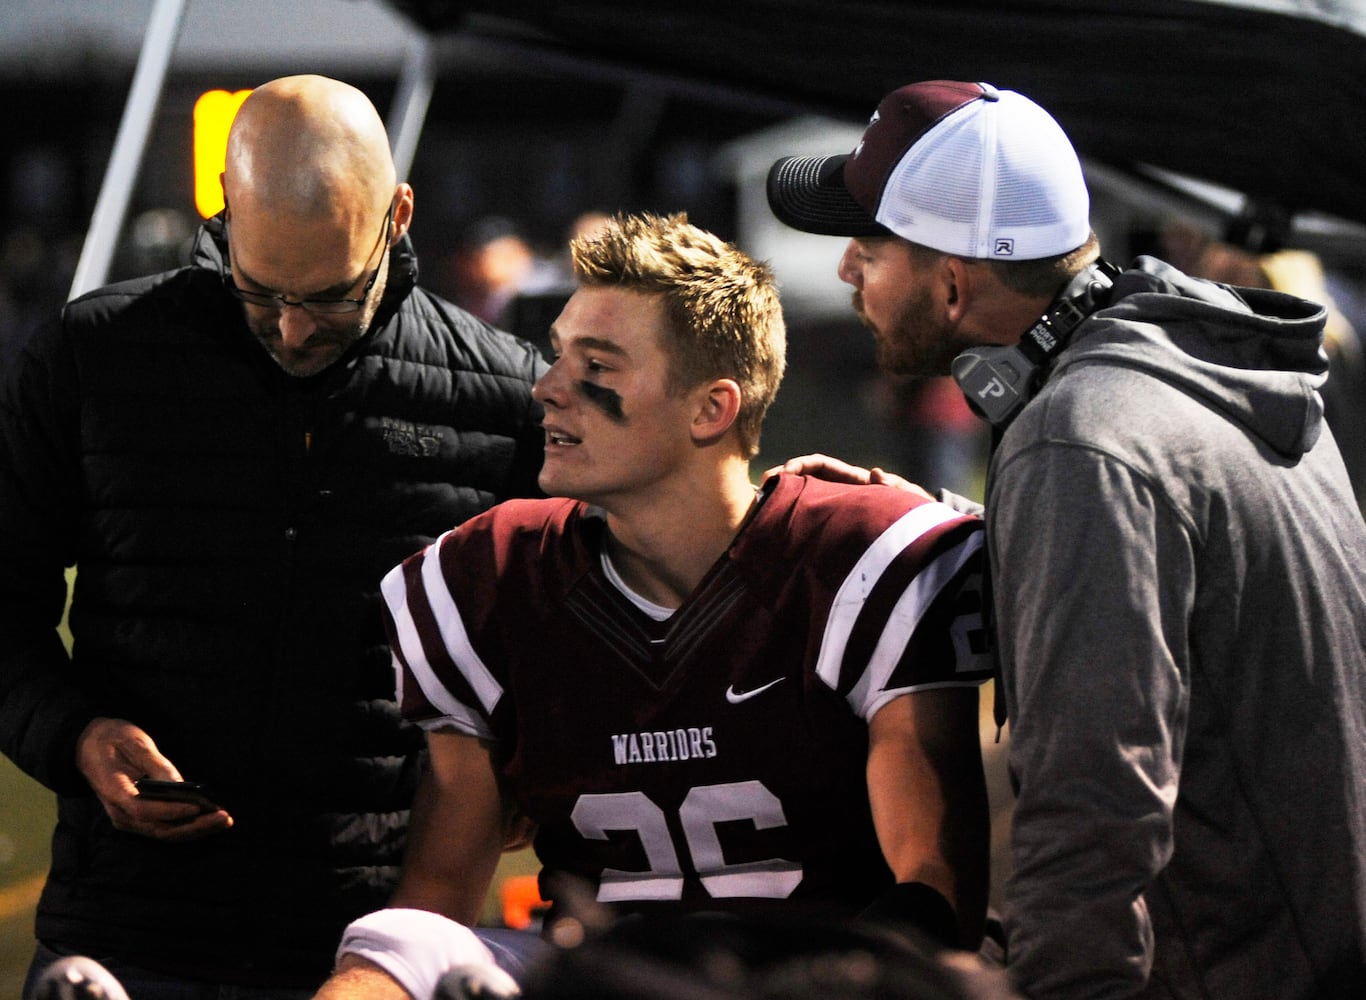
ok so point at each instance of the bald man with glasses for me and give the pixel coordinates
(232, 454)
(303, 254)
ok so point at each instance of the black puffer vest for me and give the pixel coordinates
(230, 524)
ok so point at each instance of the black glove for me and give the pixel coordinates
(917, 905)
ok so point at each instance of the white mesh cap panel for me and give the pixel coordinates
(994, 179)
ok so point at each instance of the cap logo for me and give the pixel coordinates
(1004, 247)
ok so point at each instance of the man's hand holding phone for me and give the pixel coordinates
(119, 760)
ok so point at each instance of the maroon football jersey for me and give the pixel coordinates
(716, 758)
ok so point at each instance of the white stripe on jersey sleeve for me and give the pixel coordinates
(868, 695)
(854, 591)
(454, 637)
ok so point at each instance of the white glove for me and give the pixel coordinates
(418, 948)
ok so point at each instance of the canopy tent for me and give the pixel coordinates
(1265, 98)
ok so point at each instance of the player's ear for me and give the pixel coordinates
(718, 406)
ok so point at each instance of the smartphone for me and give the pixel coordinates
(177, 791)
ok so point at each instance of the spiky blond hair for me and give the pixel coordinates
(725, 317)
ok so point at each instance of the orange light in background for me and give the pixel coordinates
(522, 902)
(213, 115)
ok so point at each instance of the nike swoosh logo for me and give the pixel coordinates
(735, 697)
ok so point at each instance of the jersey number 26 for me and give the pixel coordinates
(703, 808)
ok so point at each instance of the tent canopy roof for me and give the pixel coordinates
(1267, 98)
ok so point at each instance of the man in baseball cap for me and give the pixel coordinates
(1179, 562)
(953, 173)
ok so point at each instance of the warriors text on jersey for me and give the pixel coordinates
(715, 757)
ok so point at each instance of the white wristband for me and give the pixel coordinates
(416, 947)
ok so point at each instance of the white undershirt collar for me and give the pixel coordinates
(655, 611)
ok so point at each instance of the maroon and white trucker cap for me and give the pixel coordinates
(962, 168)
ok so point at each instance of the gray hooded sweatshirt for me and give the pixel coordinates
(1180, 579)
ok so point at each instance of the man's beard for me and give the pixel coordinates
(322, 349)
(914, 342)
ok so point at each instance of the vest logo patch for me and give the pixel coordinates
(403, 437)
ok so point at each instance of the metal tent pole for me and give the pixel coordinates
(411, 99)
(138, 113)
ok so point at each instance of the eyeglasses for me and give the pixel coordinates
(320, 307)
